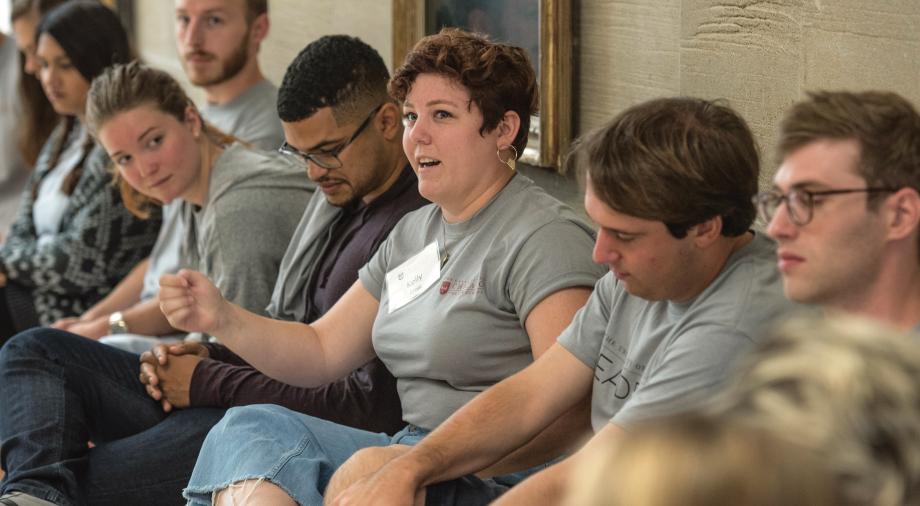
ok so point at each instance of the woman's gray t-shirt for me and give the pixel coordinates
(465, 332)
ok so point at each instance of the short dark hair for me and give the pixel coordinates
(335, 71)
(499, 77)
(680, 161)
(886, 126)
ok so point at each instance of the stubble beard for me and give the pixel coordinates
(229, 68)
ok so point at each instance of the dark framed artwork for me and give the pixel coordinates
(542, 27)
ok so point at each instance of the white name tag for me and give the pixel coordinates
(412, 277)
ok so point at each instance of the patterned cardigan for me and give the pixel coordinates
(98, 242)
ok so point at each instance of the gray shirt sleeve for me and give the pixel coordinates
(373, 274)
(546, 264)
(583, 337)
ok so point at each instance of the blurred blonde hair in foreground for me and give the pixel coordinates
(823, 412)
(698, 460)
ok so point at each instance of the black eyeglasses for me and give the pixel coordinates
(800, 204)
(328, 159)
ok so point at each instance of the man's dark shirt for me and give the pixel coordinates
(367, 397)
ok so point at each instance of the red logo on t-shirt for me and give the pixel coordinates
(445, 286)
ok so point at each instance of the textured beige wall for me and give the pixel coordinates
(759, 55)
(294, 23)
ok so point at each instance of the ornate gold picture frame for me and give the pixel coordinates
(551, 130)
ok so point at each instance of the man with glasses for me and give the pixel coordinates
(844, 207)
(348, 133)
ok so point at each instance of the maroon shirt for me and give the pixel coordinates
(367, 397)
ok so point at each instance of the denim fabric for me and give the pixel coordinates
(466, 491)
(17, 312)
(300, 453)
(297, 452)
(59, 391)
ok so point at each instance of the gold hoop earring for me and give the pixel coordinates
(511, 162)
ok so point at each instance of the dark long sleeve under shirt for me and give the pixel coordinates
(367, 397)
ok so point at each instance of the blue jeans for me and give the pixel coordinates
(300, 453)
(58, 391)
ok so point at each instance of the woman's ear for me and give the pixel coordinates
(193, 120)
(508, 128)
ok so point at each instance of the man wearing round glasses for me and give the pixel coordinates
(844, 207)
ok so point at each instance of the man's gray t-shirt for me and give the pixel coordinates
(250, 117)
(654, 358)
(465, 332)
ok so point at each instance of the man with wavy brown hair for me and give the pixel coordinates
(845, 205)
(690, 288)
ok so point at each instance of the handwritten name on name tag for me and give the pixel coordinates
(412, 277)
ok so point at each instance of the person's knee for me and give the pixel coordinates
(45, 343)
(30, 343)
(363, 463)
(254, 415)
(254, 493)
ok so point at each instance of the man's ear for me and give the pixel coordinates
(258, 30)
(389, 121)
(902, 213)
(706, 232)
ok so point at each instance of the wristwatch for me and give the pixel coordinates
(117, 324)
